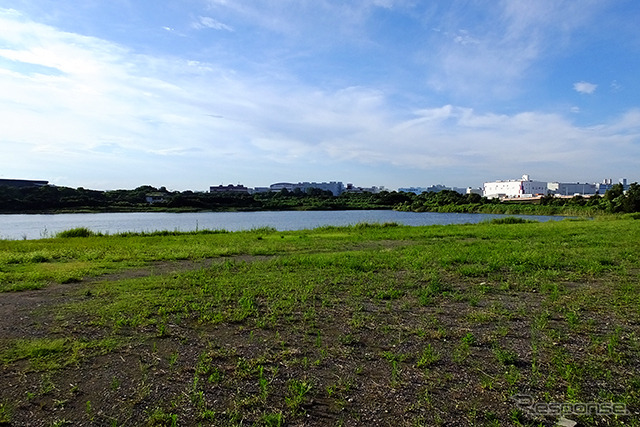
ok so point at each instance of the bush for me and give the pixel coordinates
(76, 232)
(510, 220)
(369, 225)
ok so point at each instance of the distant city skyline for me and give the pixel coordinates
(326, 184)
(393, 93)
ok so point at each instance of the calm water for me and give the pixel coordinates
(42, 226)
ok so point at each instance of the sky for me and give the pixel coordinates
(109, 94)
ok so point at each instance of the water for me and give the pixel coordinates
(43, 226)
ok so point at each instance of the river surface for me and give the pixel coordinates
(15, 227)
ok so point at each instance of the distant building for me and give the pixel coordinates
(229, 189)
(433, 189)
(22, 183)
(152, 198)
(514, 188)
(353, 189)
(571, 189)
(415, 190)
(460, 190)
(336, 188)
(260, 190)
(586, 189)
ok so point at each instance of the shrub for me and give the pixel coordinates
(76, 232)
(511, 220)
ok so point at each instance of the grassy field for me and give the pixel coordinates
(488, 324)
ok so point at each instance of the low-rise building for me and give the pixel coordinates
(335, 187)
(477, 191)
(350, 188)
(415, 190)
(514, 188)
(571, 189)
(432, 189)
(152, 198)
(229, 189)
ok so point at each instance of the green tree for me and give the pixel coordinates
(615, 198)
(631, 202)
(614, 192)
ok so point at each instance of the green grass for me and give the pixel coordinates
(266, 328)
(54, 353)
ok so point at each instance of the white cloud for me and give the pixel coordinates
(110, 114)
(585, 87)
(498, 49)
(208, 22)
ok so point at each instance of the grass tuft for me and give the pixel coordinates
(511, 220)
(77, 232)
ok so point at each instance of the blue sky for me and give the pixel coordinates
(191, 93)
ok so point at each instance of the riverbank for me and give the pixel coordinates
(362, 325)
(42, 226)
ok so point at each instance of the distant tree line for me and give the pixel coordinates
(65, 199)
(615, 200)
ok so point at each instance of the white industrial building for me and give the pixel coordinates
(514, 188)
(572, 188)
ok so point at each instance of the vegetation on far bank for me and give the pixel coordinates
(62, 199)
(615, 200)
(372, 324)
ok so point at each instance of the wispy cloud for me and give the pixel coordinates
(495, 52)
(208, 22)
(585, 87)
(615, 86)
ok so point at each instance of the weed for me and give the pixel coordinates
(613, 344)
(215, 375)
(512, 375)
(469, 339)
(76, 232)
(274, 419)
(296, 394)
(434, 287)
(340, 388)
(428, 357)
(395, 374)
(115, 383)
(173, 359)
(89, 410)
(160, 418)
(511, 220)
(208, 415)
(263, 383)
(60, 403)
(505, 356)
(349, 339)
(5, 413)
(463, 350)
